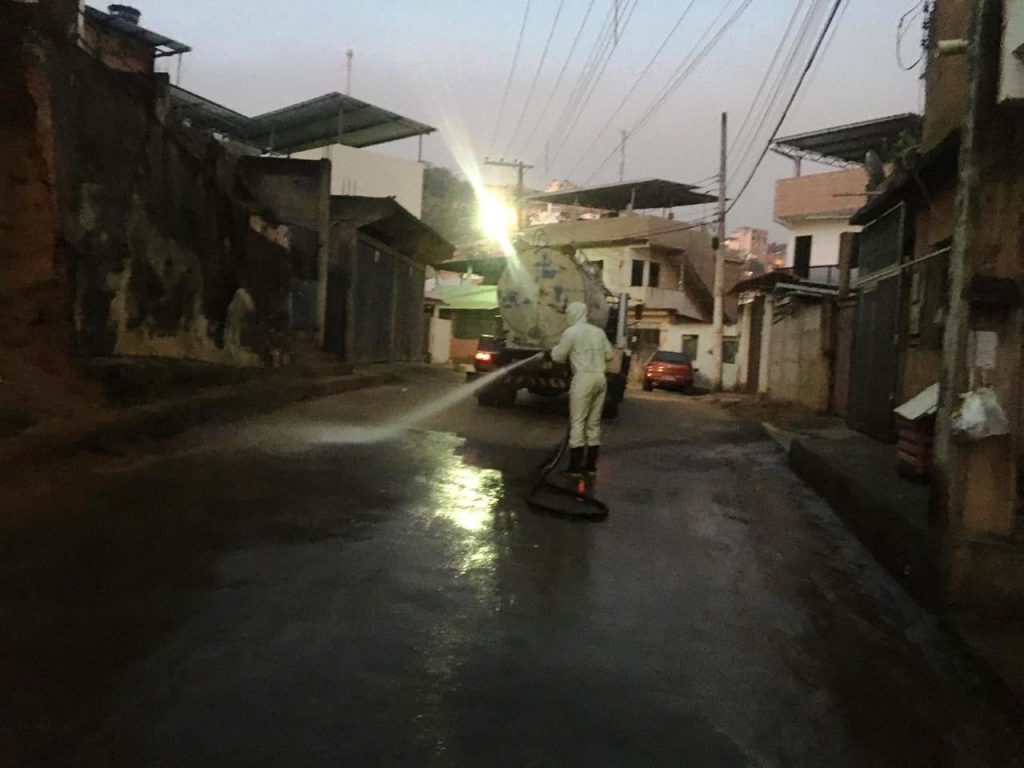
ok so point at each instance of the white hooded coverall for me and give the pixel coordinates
(587, 349)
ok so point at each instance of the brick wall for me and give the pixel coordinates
(822, 194)
(946, 78)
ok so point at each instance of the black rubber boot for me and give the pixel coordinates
(590, 463)
(575, 461)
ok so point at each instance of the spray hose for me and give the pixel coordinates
(584, 504)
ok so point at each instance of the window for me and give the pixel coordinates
(802, 255)
(690, 346)
(654, 274)
(637, 278)
(730, 348)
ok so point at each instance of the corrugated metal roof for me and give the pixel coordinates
(642, 194)
(329, 119)
(849, 143)
(386, 220)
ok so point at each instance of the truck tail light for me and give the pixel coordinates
(484, 357)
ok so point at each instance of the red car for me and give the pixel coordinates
(670, 370)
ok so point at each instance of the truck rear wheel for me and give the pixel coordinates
(497, 397)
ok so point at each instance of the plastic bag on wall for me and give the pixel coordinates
(980, 415)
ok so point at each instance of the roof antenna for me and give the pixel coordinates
(348, 71)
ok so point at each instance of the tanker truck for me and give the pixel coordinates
(533, 293)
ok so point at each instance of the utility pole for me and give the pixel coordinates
(521, 169)
(348, 71)
(622, 156)
(719, 287)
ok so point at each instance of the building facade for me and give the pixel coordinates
(815, 209)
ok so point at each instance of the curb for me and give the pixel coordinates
(167, 418)
(908, 552)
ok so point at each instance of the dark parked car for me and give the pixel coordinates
(670, 370)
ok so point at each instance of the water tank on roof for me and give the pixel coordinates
(125, 12)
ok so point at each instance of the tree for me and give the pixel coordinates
(449, 206)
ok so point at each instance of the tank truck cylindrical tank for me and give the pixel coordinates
(533, 293)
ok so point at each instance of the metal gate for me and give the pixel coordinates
(387, 302)
(372, 301)
(875, 345)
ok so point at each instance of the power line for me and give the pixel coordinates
(636, 83)
(561, 74)
(901, 32)
(782, 119)
(511, 75)
(681, 73)
(578, 112)
(536, 76)
(601, 43)
(768, 74)
(783, 77)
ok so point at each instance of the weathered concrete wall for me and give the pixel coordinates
(798, 367)
(299, 191)
(172, 254)
(29, 217)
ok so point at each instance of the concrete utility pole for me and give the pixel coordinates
(622, 156)
(953, 458)
(521, 169)
(719, 288)
(348, 71)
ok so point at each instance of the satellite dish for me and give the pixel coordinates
(875, 168)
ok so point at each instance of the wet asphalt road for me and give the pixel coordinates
(269, 596)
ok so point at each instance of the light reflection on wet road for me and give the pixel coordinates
(264, 596)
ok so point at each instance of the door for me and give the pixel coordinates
(802, 255)
(754, 351)
(373, 298)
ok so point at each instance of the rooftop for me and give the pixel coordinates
(637, 195)
(848, 144)
(386, 220)
(162, 46)
(329, 119)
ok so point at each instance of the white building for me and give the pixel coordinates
(815, 210)
(370, 174)
(667, 269)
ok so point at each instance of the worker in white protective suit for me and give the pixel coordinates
(587, 349)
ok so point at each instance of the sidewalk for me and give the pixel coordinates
(857, 476)
(117, 428)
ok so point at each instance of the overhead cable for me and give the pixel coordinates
(636, 83)
(561, 74)
(536, 76)
(768, 75)
(578, 112)
(511, 75)
(785, 75)
(782, 119)
(681, 73)
(601, 45)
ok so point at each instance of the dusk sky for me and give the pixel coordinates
(446, 63)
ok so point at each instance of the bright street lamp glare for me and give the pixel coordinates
(495, 217)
